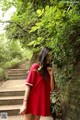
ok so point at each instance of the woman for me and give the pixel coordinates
(39, 83)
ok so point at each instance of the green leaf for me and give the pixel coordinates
(38, 11)
(47, 7)
(31, 43)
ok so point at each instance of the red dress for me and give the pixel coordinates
(39, 98)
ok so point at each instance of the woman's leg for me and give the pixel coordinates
(37, 118)
(28, 117)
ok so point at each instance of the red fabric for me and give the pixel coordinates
(39, 98)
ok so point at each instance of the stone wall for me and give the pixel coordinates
(70, 93)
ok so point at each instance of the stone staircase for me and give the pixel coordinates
(13, 110)
(12, 92)
(11, 96)
(10, 104)
(16, 74)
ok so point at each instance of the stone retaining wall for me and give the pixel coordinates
(70, 93)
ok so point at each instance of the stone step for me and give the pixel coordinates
(15, 117)
(13, 74)
(17, 72)
(16, 77)
(10, 71)
(11, 100)
(10, 109)
(18, 69)
(11, 93)
(19, 117)
(24, 73)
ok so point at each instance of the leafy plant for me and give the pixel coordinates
(53, 25)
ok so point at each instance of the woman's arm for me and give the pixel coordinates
(52, 80)
(26, 95)
(24, 106)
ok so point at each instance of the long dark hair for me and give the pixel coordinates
(42, 60)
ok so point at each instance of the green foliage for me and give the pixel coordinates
(1, 73)
(21, 23)
(11, 64)
(9, 49)
(59, 30)
(55, 24)
(55, 105)
(38, 23)
(11, 54)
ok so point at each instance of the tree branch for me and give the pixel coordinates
(18, 25)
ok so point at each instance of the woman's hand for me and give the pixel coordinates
(23, 109)
(50, 71)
